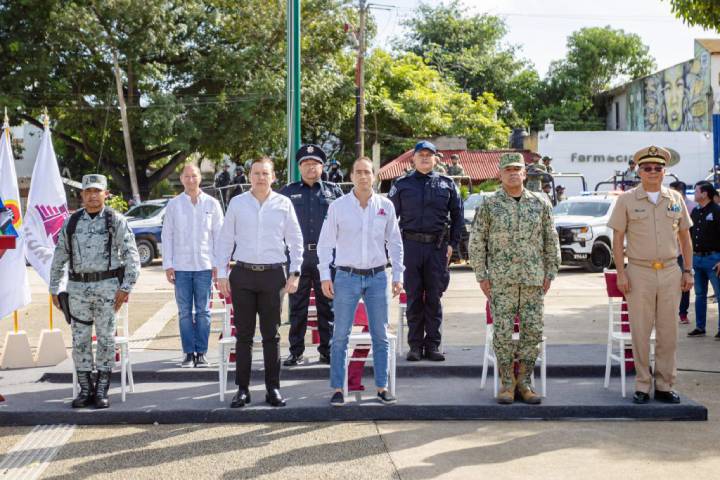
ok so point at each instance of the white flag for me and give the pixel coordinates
(14, 287)
(46, 210)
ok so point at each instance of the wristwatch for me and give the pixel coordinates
(295, 274)
(689, 270)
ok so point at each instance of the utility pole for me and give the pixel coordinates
(126, 133)
(293, 88)
(360, 85)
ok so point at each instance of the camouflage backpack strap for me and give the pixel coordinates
(111, 219)
(71, 226)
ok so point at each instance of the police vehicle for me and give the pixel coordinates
(582, 226)
(145, 221)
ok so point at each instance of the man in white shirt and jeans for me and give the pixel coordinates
(190, 232)
(359, 226)
(259, 226)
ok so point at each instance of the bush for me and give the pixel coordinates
(117, 203)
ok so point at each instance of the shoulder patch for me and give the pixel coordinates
(393, 191)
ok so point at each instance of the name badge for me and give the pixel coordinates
(296, 195)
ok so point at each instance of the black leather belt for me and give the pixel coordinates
(705, 254)
(365, 272)
(259, 267)
(311, 247)
(421, 237)
(94, 276)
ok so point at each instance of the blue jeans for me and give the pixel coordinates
(685, 297)
(194, 288)
(703, 272)
(349, 288)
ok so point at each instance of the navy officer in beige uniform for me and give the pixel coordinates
(654, 220)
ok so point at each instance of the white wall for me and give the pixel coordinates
(597, 155)
(29, 137)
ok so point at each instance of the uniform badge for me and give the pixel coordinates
(710, 217)
(310, 149)
(652, 150)
(393, 191)
(296, 195)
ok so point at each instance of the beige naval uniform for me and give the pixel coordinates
(651, 232)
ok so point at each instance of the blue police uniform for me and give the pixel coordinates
(425, 203)
(311, 205)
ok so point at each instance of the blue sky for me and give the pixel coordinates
(541, 27)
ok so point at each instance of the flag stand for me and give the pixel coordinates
(51, 346)
(17, 352)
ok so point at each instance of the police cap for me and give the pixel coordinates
(425, 145)
(310, 152)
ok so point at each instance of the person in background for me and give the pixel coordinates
(560, 193)
(455, 169)
(681, 188)
(335, 175)
(222, 180)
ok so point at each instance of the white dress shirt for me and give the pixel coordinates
(359, 236)
(190, 232)
(260, 231)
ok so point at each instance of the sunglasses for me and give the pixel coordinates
(650, 169)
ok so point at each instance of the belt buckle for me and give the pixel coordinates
(312, 246)
(658, 265)
(257, 268)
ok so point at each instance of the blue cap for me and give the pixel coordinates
(425, 145)
(310, 152)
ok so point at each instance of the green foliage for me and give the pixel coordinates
(486, 186)
(118, 203)
(703, 13)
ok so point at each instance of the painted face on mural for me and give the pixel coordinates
(673, 94)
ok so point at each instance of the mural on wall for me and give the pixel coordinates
(675, 99)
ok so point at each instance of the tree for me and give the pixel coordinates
(205, 76)
(470, 49)
(597, 59)
(704, 13)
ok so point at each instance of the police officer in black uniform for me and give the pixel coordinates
(426, 203)
(311, 198)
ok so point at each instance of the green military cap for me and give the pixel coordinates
(652, 154)
(512, 159)
(94, 180)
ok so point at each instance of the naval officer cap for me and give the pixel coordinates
(425, 145)
(94, 180)
(511, 159)
(652, 154)
(310, 152)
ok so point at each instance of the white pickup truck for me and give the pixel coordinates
(585, 238)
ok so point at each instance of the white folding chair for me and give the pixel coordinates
(225, 346)
(217, 307)
(619, 335)
(122, 342)
(490, 358)
(364, 341)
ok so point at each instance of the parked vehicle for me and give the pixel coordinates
(145, 220)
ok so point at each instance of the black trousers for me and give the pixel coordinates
(257, 294)
(299, 302)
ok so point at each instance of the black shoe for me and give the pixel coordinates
(189, 361)
(293, 360)
(274, 398)
(414, 355)
(325, 358)
(201, 361)
(434, 355)
(101, 390)
(337, 400)
(697, 333)
(641, 398)
(241, 398)
(385, 398)
(667, 397)
(87, 391)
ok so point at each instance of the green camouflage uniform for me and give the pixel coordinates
(514, 245)
(93, 301)
(534, 181)
(455, 170)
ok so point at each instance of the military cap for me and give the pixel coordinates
(94, 180)
(310, 152)
(547, 157)
(652, 154)
(425, 145)
(511, 160)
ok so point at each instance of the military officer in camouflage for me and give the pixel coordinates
(515, 253)
(103, 265)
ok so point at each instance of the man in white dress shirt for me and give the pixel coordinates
(359, 226)
(259, 226)
(190, 232)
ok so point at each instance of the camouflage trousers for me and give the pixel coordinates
(506, 302)
(93, 302)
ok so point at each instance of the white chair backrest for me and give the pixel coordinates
(618, 319)
(122, 320)
(227, 321)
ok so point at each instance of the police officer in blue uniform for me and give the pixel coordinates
(426, 204)
(311, 198)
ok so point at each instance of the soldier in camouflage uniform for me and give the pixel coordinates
(536, 174)
(515, 253)
(103, 267)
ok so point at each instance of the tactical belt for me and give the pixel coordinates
(704, 254)
(365, 272)
(421, 237)
(655, 264)
(94, 276)
(259, 267)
